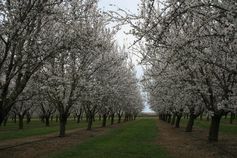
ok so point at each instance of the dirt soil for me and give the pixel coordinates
(194, 144)
(41, 146)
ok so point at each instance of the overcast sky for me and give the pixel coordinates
(121, 37)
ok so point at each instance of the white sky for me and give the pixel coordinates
(121, 37)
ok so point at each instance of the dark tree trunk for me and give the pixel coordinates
(226, 115)
(2, 115)
(130, 117)
(90, 121)
(173, 119)
(99, 117)
(87, 118)
(78, 118)
(5, 121)
(56, 118)
(81, 116)
(28, 119)
(126, 117)
(134, 116)
(112, 119)
(63, 122)
(104, 120)
(93, 118)
(179, 116)
(47, 121)
(214, 128)
(119, 118)
(169, 118)
(189, 127)
(14, 118)
(42, 118)
(21, 123)
(208, 118)
(232, 117)
(4, 111)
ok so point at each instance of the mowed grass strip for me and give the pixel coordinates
(37, 128)
(134, 139)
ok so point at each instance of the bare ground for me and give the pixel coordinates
(182, 144)
(41, 146)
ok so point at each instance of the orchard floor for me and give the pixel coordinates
(181, 144)
(144, 138)
(40, 146)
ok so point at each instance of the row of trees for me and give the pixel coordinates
(190, 55)
(59, 56)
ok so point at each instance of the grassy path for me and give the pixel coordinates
(36, 128)
(133, 140)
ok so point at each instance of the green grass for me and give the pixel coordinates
(36, 128)
(133, 140)
(225, 126)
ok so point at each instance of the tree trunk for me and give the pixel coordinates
(4, 111)
(21, 123)
(90, 121)
(178, 121)
(63, 122)
(134, 116)
(14, 118)
(2, 116)
(226, 115)
(112, 119)
(173, 119)
(126, 117)
(28, 119)
(56, 118)
(81, 116)
(93, 118)
(208, 118)
(189, 127)
(104, 120)
(78, 118)
(169, 118)
(47, 121)
(214, 128)
(119, 118)
(87, 118)
(232, 116)
(5, 121)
